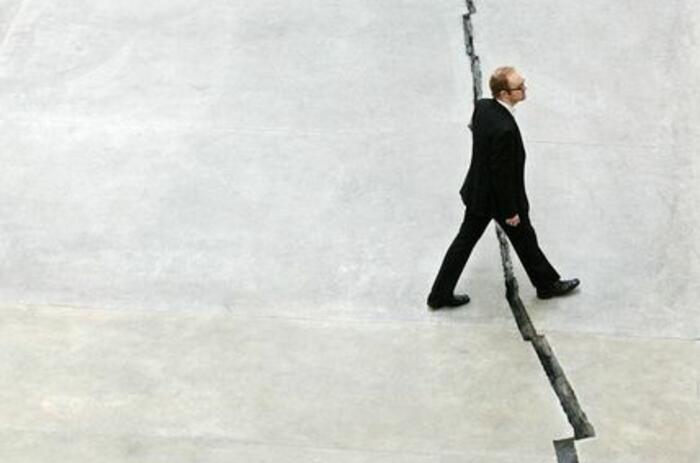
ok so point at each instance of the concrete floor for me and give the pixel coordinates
(219, 223)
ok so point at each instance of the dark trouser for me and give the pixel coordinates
(523, 239)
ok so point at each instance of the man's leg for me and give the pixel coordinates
(524, 240)
(457, 255)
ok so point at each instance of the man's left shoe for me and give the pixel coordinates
(558, 288)
(436, 303)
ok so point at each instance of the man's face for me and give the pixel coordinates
(516, 84)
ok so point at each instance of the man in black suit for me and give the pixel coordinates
(495, 189)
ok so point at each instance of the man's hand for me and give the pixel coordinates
(513, 221)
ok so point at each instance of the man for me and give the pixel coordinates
(495, 189)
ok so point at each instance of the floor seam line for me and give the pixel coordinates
(11, 23)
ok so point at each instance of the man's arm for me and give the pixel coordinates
(503, 165)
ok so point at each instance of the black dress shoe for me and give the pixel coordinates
(558, 288)
(436, 303)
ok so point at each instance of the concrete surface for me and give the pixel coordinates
(641, 393)
(418, 390)
(191, 190)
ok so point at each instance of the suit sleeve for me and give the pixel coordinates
(503, 165)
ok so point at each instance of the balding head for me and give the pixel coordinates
(507, 85)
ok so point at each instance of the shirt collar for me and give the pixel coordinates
(507, 106)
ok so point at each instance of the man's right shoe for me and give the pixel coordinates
(558, 288)
(436, 303)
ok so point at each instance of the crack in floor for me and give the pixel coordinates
(565, 448)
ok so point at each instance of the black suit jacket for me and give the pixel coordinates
(495, 183)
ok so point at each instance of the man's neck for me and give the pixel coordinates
(507, 103)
